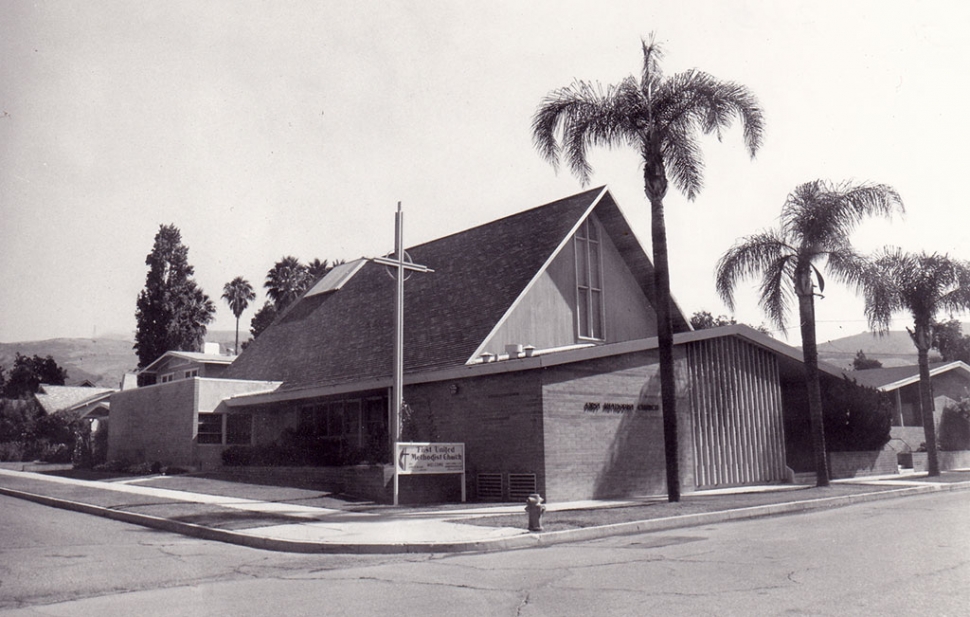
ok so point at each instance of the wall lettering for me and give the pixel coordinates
(618, 408)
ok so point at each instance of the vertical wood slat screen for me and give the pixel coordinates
(736, 410)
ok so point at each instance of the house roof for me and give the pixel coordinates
(895, 377)
(58, 398)
(192, 356)
(344, 332)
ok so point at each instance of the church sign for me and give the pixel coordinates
(413, 458)
(424, 458)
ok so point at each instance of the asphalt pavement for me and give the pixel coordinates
(310, 521)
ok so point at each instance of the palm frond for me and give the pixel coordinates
(777, 291)
(823, 215)
(582, 115)
(657, 115)
(695, 101)
(883, 289)
(848, 267)
(749, 257)
(651, 75)
(683, 160)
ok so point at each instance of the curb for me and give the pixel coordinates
(526, 540)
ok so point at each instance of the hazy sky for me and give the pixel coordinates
(264, 129)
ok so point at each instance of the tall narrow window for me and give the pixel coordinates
(589, 285)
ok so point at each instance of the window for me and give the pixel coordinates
(193, 373)
(589, 283)
(167, 377)
(239, 429)
(210, 428)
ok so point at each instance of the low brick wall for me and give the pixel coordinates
(855, 464)
(955, 459)
(365, 481)
(370, 482)
(959, 459)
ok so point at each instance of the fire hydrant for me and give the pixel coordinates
(535, 509)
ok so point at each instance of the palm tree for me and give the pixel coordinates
(816, 221)
(317, 269)
(922, 285)
(285, 282)
(660, 117)
(238, 293)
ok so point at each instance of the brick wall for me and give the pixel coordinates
(498, 417)
(154, 423)
(604, 429)
(158, 423)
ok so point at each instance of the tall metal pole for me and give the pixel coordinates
(398, 387)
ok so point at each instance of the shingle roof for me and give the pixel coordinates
(347, 335)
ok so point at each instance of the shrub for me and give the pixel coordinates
(955, 426)
(237, 456)
(174, 471)
(56, 453)
(11, 451)
(857, 418)
(113, 466)
(139, 469)
(300, 448)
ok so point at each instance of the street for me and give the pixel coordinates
(892, 557)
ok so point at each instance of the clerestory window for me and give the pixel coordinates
(589, 281)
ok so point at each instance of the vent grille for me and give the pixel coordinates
(490, 486)
(521, 485)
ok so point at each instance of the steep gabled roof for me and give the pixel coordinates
(895, 377)
(345, 333)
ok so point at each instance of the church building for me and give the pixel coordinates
(532, 342)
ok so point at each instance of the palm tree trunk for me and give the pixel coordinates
(922, 340)
(806, 312)
(665, 339)
(235, 350)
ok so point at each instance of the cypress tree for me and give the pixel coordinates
(172, 311)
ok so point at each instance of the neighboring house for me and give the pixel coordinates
(80, 399)
(175, 365)
(533, 342)
(950, 381)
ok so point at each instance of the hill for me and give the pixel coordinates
(892, 349)
(102, 361)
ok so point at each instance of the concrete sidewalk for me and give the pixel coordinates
(301, 520)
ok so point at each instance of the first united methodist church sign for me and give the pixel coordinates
(428, 458)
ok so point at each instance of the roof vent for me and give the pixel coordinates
(514, 351)
(529, 350)
(487, 357)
